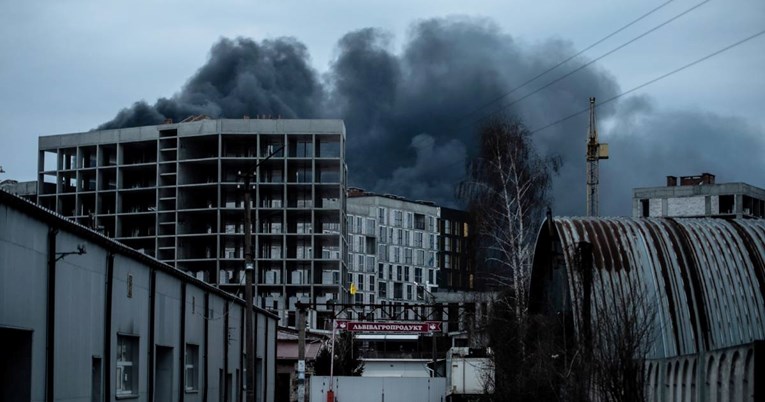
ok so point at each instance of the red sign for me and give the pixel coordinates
(389, 327)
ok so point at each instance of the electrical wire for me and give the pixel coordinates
(638, 87)
(461, 121)
(589, 63)
(654, 80)
(579, 53)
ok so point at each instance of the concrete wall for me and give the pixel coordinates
(723, 375)
(380, 389)
(90, 308)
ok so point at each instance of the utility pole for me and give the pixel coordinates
(301, 352)
(249, 270)
(595, 152)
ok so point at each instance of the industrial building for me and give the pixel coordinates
(174, 192)
(703, 277)
(699, 196)
(85, 318)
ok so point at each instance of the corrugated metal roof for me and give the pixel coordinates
(706, 277)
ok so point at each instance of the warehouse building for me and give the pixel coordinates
(703, 277)
(85, 318)
(173, 191)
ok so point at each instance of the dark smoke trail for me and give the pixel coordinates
(241, 77)
(405, 112)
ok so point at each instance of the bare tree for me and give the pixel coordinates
(623, 326)
(507, 194)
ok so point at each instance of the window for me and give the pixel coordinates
(409, 220)
(409, 292)
(382, 289)
(381, 215)
(192, 367)
(399, 239)
(397, 217)
(418, 239)
(360, 265)
(418, 275)
(359, 225)
(360, 284)
(419, 221)
(406, 274)
(420, 260)
(398, 272)
(431, 224)
(406, 238)
(127, 365)
(380, 271)
(398, 291)
(407, 256)
(370, 227)
(382, 236)
(371, 283)
(396, 254)
(432, 242)
(431, 259)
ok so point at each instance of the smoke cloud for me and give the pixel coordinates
(408, 113)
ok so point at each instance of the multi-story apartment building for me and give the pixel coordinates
(174, 192)
(393, 251)
(454, 259)
(699, 196)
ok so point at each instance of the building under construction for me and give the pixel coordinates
(174, 192)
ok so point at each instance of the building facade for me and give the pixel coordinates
(699, 196)
(454, 259)
(174, 192)
(393, 251)
(85, 318)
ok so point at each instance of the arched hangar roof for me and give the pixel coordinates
(705, 277)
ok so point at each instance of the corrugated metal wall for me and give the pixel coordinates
(705, 277)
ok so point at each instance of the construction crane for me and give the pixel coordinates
(595, 152)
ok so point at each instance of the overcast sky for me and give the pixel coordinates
(70, 66)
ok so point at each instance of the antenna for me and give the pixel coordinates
(595, 152)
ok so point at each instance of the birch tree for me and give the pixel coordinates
(507, 193)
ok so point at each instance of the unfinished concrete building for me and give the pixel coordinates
(699, 196)
(173, 191)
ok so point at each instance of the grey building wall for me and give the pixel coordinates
(377, 254)
(70, 313)
(739, 200)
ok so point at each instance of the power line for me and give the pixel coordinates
(645, 84)
(610, 52)
(545, 72)
(462, 122)
(649, 82)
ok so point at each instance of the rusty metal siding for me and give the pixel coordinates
(705, 277)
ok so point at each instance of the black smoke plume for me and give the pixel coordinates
(409, 114)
